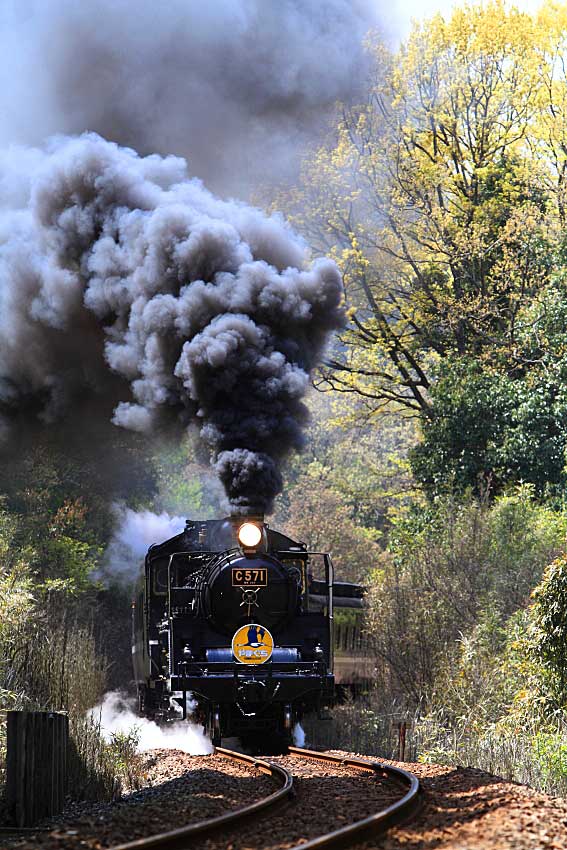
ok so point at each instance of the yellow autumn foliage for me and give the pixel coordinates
(442, 195)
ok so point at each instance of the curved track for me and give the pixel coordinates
(345, 836)
(179, 838)
(376, 824)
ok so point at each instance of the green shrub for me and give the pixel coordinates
(549, 616)
(453, 567)
(100, 769)
(527, 754)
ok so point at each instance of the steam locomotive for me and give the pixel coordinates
(235, 621)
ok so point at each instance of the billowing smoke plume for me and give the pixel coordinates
(121, 276)
(239, 87)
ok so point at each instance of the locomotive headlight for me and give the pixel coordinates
(249, 535)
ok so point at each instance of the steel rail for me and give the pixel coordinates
(179, 838)
(373, 825)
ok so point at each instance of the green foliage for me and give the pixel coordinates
(441, 194)
(92, 772)
(457, 570)
(550, 753)
(491, 707)
(185, 483)
(491, 422)
(477, 678)
(127, 761)
(356, 478)
(498, 697)
(550, 627)
(52, 638)
(74, 560)
(454, 265)
(320, 517)
(99, 769)
(441, 251)
(528, 754)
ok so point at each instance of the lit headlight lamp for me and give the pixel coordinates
(249, 535)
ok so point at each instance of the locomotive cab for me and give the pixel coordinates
(239, 617)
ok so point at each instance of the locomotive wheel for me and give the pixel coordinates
(214, 726)
(146, 706)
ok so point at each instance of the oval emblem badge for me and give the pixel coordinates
(252, 644)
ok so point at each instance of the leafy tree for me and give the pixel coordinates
(489, 428)
(431, 199)
(442, 196)
(317, 515)
(364, 464)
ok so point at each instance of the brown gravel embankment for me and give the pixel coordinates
(328, 796)
(464, 809)
(467, 809)
(182, 789)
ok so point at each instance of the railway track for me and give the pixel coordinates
(179, 838)
(366, 827)
(372, 825)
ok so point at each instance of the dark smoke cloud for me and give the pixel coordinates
(238, 87)
(121, 277)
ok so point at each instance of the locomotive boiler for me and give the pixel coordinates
(238, 619)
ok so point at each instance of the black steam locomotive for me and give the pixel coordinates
(238, 618)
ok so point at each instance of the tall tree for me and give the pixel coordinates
(443, 200)
(427, 197)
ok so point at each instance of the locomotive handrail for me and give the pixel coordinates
(193, 552)
(330, 576)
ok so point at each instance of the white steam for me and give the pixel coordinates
(298, 735)
(135, 532)
(116, 715)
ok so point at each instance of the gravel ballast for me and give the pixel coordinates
(468, 809)
(464, 809)
(182, 789)
(329, 796)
